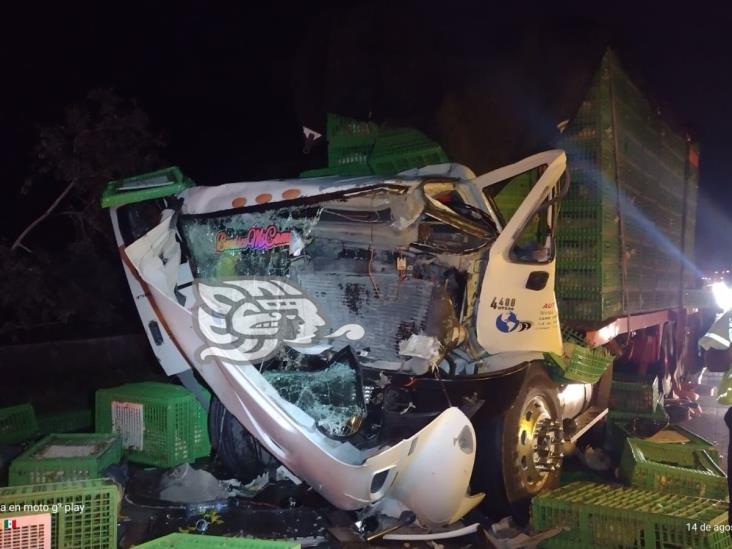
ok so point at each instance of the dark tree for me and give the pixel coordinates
(73, 280)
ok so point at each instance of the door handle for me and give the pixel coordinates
(537, 280)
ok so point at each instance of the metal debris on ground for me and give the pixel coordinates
(595, 459)
(187, 484)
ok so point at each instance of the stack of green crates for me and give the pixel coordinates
(649, 181)
(194, 541)
(673, 468)
(83, 513)
(396, 150)
(635, 396)
(604, 516)
(357, 148)
(63, 457)
(161, 424)
(17, 424)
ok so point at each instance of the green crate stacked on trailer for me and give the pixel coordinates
(160, 423)
(632, 187)
(62, 457)
(17, 424)
(606, 516)
(83, 512)
(510, 196)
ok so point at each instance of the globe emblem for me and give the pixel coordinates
(507, 322)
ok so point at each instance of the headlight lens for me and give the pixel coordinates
(722, 295)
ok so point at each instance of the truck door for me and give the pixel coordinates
(517, 310)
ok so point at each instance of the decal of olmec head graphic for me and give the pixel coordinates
(247, 319)
(509, 322)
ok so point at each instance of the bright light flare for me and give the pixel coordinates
(722, 295)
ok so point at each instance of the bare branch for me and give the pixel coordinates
(19, 241)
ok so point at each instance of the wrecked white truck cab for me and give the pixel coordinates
(366, 330)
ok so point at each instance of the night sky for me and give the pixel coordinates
(231, 86)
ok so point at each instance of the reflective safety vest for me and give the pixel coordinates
(719, 335)
(718, 338)
(724, 391)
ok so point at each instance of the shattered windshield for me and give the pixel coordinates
(252, 244)
(260, 243)
(392, 262)
(332, 396)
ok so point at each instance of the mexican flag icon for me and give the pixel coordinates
(10, 523)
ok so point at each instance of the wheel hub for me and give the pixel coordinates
(539, 444)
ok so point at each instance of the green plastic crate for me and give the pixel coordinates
(621, 425)
(350, 143)
(344, 130)
(586, 306)
(161, 424)
(17, 424)
(349, 159)
(66, 422)
(631, 396)
(606, 516)
(672, 468)
(196, 541)
(402, 149)
(93, 528)
(70, 457)
(695, 441)
(580, 363)
(148, 186)
(589, 277)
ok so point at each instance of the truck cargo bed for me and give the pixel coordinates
(626, 226)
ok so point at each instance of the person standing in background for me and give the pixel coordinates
(718, 358)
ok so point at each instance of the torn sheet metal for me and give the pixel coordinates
(425, 353)
(202, 200)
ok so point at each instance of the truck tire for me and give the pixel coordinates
(237, 450)
(517, 449)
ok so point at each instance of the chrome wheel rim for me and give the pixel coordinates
(539, 444)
